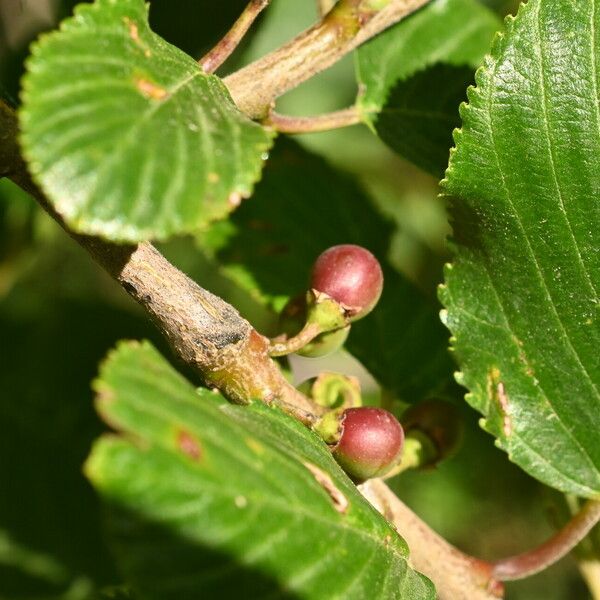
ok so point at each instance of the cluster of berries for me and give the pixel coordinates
(345, 285)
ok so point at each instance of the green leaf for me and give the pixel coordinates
(210, 498)
(522, 293)
(125, 133)
(453, 32)
(420, 114)
(302, 207)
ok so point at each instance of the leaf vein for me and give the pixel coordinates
(551, 151)
(525, 236)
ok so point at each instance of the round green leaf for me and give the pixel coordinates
(125, 133)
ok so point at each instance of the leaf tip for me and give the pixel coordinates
(93, 467)
(121, 349)
(447, 271)
(443, 296)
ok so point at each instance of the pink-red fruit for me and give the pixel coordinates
(370, 444)
(351, 275)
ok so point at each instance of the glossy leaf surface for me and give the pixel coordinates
(522, 292)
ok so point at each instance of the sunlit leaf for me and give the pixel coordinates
(125, 133)
(209, 499)
(522, 292)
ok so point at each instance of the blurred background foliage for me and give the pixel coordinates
(59, 314)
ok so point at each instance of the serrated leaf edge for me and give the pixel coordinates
(113, 230)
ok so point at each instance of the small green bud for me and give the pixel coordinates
(440, 421)
(334, 390)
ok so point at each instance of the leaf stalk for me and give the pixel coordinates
(213, 59)
(559, 545)
(314, 124)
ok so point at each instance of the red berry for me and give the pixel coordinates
(351, 275)
(370, 444)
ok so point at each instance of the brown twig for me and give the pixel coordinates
(456, 576)
(204, 331)
(349, 24)
(432, 555)
(211, 61)
(325, 122)
(284, 347)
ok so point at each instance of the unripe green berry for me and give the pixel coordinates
(326, 343)
(351, 275)
(440, 421)
(370, 443)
